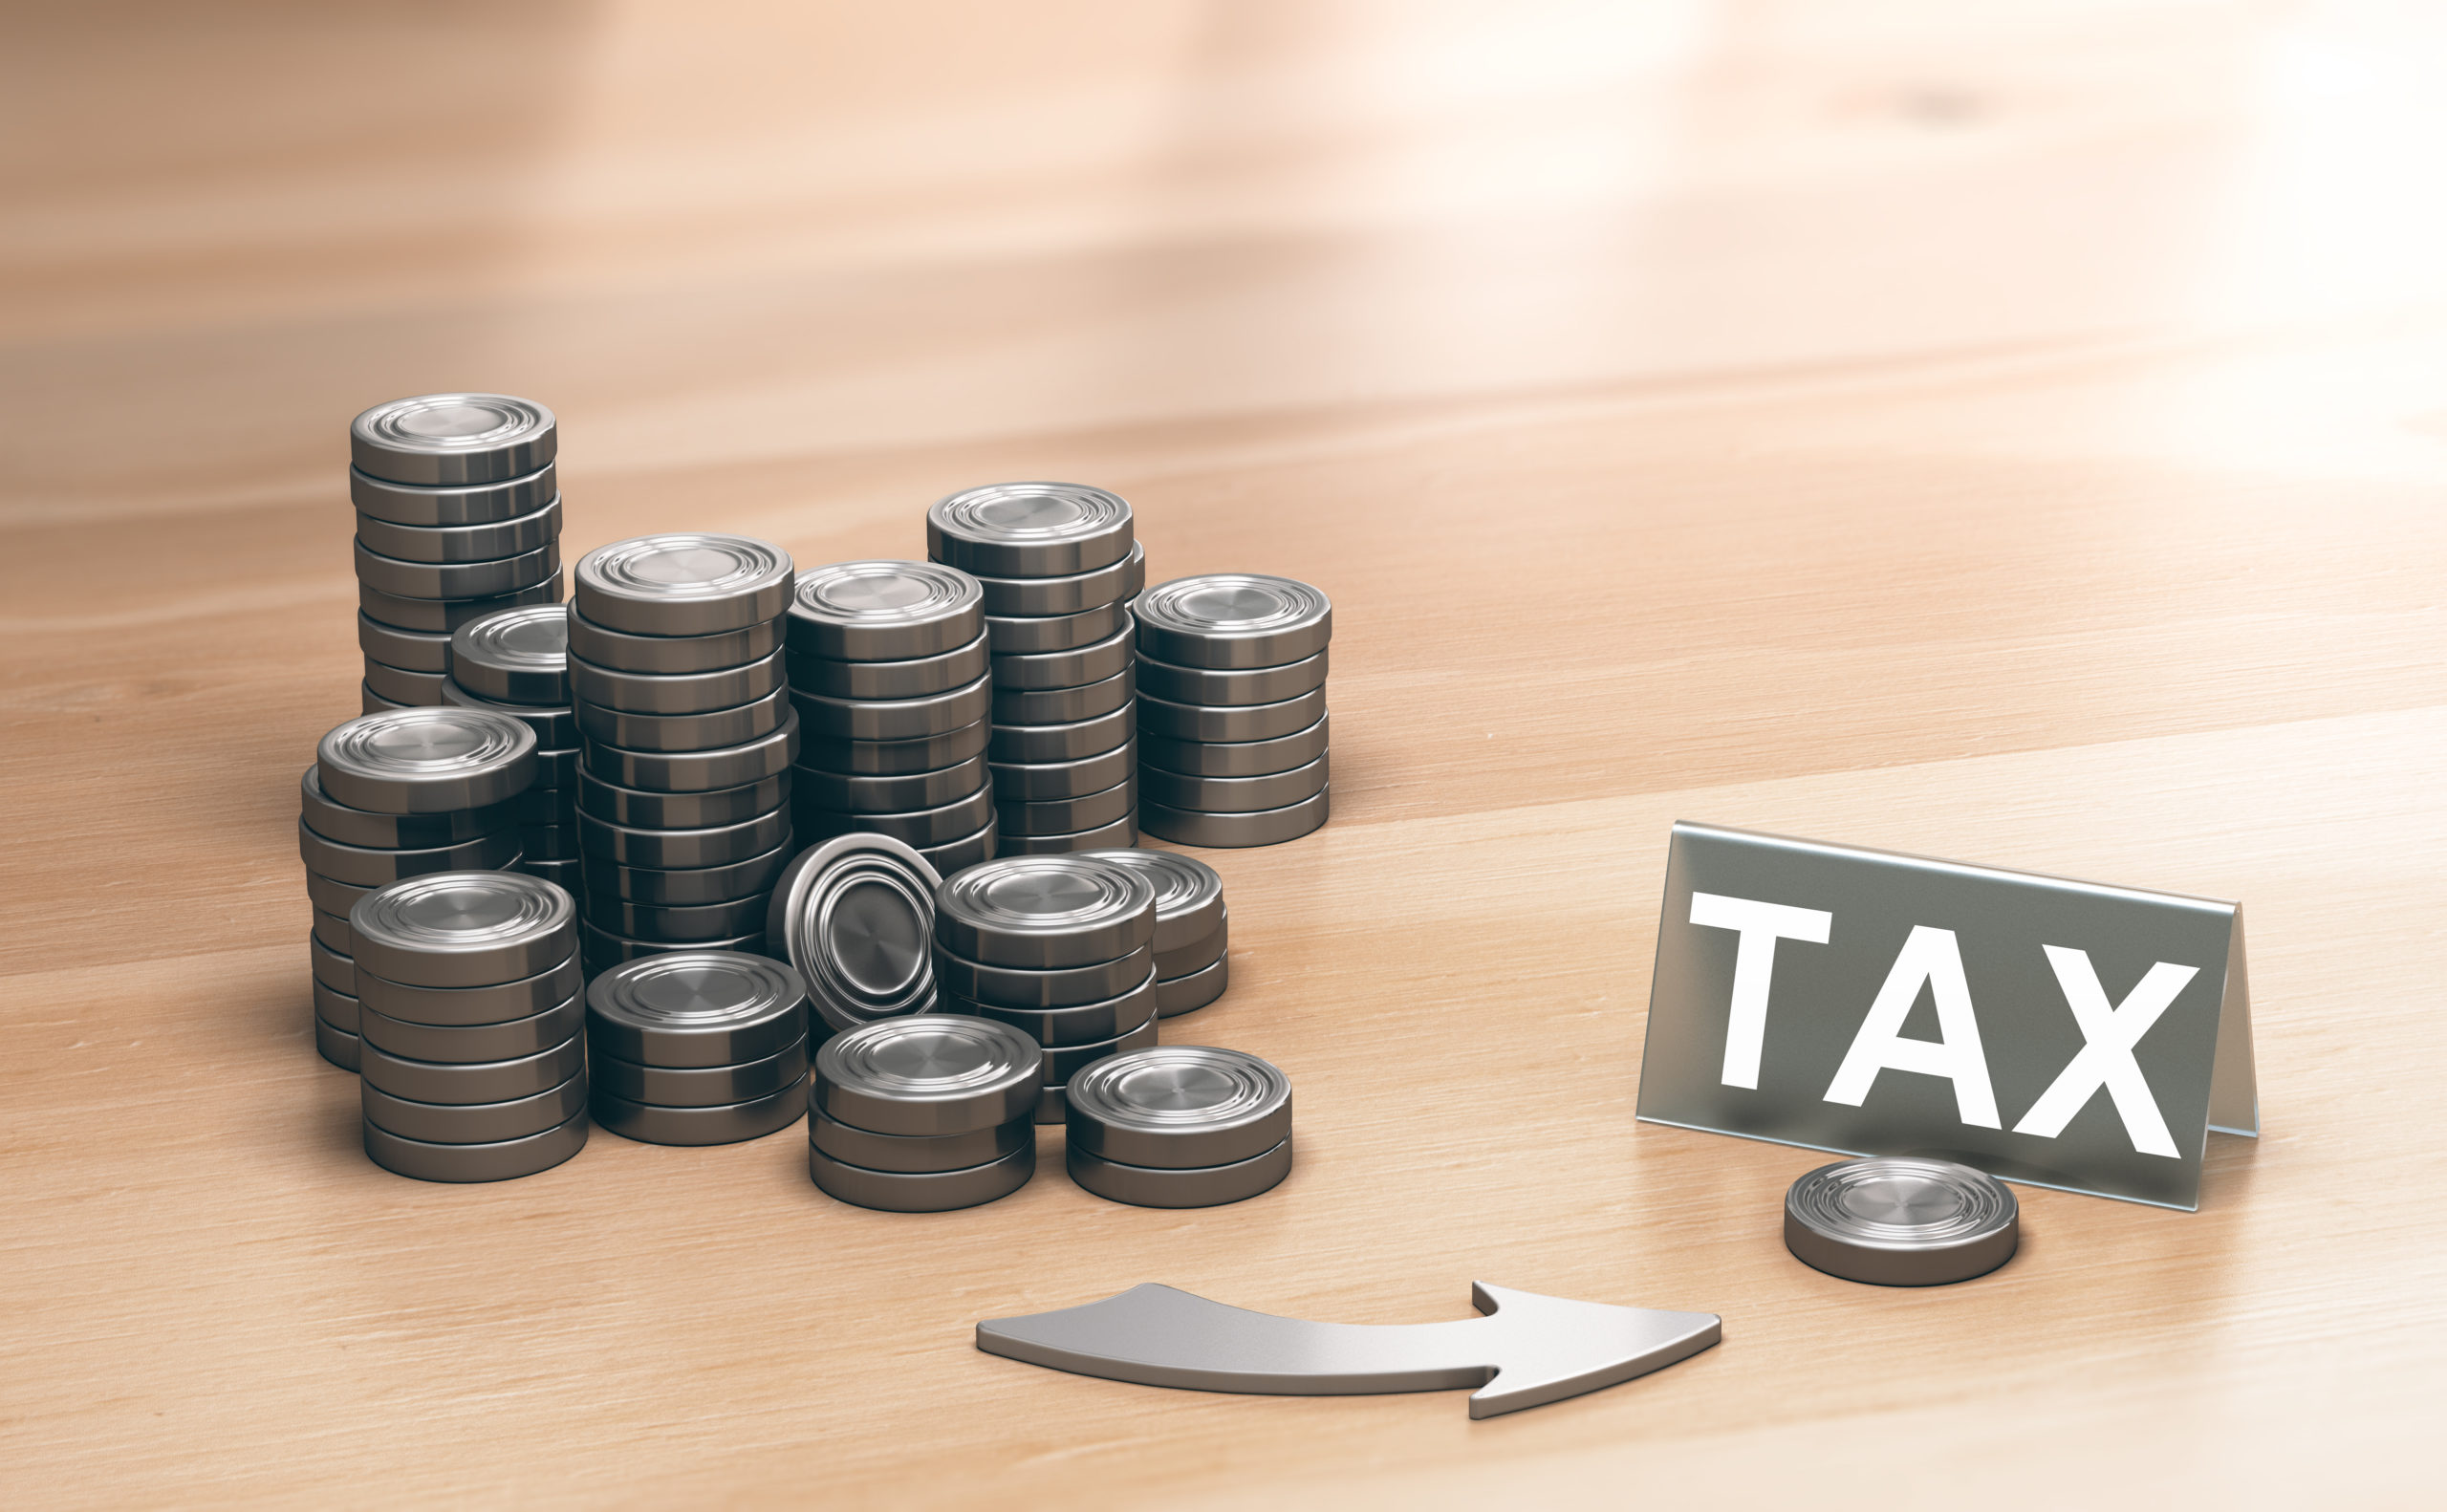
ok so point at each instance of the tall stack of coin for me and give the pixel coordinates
(1192, 928)
(852, 915)
(923, 1114)
(1179, 1126)
(400, 793)
(474, 1059)
(515, 661)
(1059, 946)
(698, 1047)
(888, 673)
(457, 514)
(1232, 710)
(1057, 564)
(686, 735)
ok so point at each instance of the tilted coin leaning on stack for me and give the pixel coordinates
(923, 1114)
(1232, 710)
(854, 915)
(515, 661)
(698, 1047)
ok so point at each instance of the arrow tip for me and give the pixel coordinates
(1553, 1348)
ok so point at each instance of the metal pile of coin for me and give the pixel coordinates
(852, 915)
(1061, 947)
(515, 661)
(398, 793)
(686, 736)
(1232, 710)
(923, 1114)
(888, 673)
(1901, 1220)
(1192, 928)
(457, 514)
(1057, 564)
(1179, 1126)
(474, 1063)
(698, 1047)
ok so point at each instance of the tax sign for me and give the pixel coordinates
(2060, 1033)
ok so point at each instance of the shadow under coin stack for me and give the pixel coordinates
(457, 514)
(1232, 710)
(888, 673)
(1061, 947)
(1057, 564)
(1179, 1126)
(515, 661)
(923, 1114)
(698, 1048)
(687, 736)
(398, 793)
(475, 1050)
(854, 915)
(1192, 928)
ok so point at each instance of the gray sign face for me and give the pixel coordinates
(2060, 1033)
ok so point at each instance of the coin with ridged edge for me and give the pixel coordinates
(1044, 912)
(928, 1074)
(1179, 1106)
(885, 611)
(1029, 529)
(427, 760)
(1233, 620)
(1901, 1220)
(463, 929)
(450, 440)
(852, 915)
(1189, 894)
(695, 1007)
(684, 583)
(514, 656)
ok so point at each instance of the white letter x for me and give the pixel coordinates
(2106, 1059)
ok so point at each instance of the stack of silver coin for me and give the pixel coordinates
(888, 673)
(400, 793)
(923, 1114)
(1192, 928)
(852, 915)
(515, 661)
(1179, 1126)
(1061, 947)
(475, 1062)
(457, 514)
(686, 734)
(698, 1047)
(1057, 564)
(1232, 710)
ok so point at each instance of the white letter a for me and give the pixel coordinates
(1930, 955)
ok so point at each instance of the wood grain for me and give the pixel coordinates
(2013, 433)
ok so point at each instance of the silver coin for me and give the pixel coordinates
(691, 886)
(712, 730)
(674, 693)
(504, 1161)
(1019, 598)
(862, 758)
(1901, 1220)
(1037, 782)
(473, 1081)
(442, 616)
(545, 806)
(447, 440)
(926, 1074)
(472, 1007)
(1235, 794)
(1178, 1107)
(555, 727)
(331, 968)
(895, 719)
(1066, 816)
(366, 866)
(1233, 619)
(1211, 1186)
(1035, 744)
(488, 542)
(1057, 1063)
(460, 1044)
(852, 915)
(1121, 833)
(1020, 988)
(892, 794)
(395, 832)
(506, 575)
(1050, 1107)
(337, 1045)
(672, 655)
(679, 850)
(339, 1010)
(473, 1123)
(561, 874)
(1076, 668)
(733, 1123)
(885, 611)
(920, 828)
(696, 1009)
(462, 929)
(515, 656)
(1083, 1024)
(457, 503)
(600, 950)
(1198, 955)
(1044, 912)
(1041, 707)
(927, 1192)
(413, 650)
(1046, 633)
(698, 771)
(425, 761)
(959, 855)
(916, 1155)
(401, 687)
(1233, 831)
(1231, 689)
(331, 931)
(329, 896)
(1029, 529)
(1234, 758)
(547, 842)
(913, 679)
(556, 769)
(1257, 722)
(700, 1085)
(370, 701)
(695, 923)
(634, 808)
(1189, 900)
(685, 583)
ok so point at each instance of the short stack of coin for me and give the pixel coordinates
(1232, 710)
(475, 1057)
(698, 1048)
(888, 673)
(1058, 565)
(686, 735)
(457, 514)
(515, 661)
(1179, 1126)
(1192, 928)
(1061, 947)
(923, 1114)
(400, 793)
(854, 915)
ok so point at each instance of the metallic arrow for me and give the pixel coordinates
(1528, 1352)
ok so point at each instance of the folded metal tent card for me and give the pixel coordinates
(2059, 1033)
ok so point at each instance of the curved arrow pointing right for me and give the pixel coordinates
(1527, 1351)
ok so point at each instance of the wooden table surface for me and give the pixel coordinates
(2009, 432)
